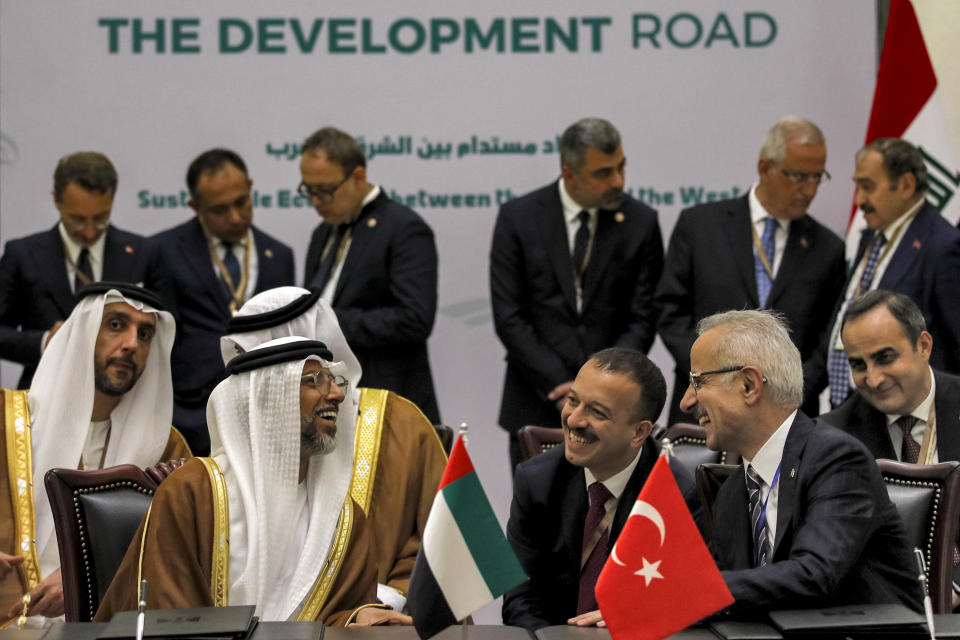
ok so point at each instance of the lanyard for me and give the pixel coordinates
(762, 520)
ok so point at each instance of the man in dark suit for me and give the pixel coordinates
(907, 247)
(807, 520)
(762, 250)
(573, 268)
(902, 406)
(554, 528)
(211, 264)
(376, 263)
(39, 274)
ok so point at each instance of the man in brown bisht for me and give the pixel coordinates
(398, 459)
(102, 396)
(267, 520)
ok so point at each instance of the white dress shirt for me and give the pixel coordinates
(922, 413)
(765, 463)
(758, 216)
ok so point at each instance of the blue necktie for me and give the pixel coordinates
(761, 543)
(838, 367)
(232, 265)
(768, 242)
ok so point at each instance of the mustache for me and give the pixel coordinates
(866, 208)
(126, 358)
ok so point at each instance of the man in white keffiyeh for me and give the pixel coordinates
(398, 459)
(270, 506)
(101, 396)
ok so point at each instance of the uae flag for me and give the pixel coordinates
(660, 577)
(908, 105)
(465, 560)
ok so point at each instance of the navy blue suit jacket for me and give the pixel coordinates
(386, 298)
(200, 302)
(925, 267)
(534, 298)
(35, 292)
(710, 268)
(546, 531)
(839, 539)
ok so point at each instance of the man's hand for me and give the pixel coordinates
(372, 616)
(56, 327)
(8, 563)
(559, 394)
(592, 619)
(954, 600)
(46, 599)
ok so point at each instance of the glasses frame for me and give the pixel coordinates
(313, 379)
(802, 177)
(696, 379)
(322, 196)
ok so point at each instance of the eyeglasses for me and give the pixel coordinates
(320, 380)
(77, 225)
(802, 177)
(696, 379)
(321, 194)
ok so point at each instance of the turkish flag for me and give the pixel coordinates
(660, 577)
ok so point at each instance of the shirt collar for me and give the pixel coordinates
(758, 213)
(96, 249)
(767, 459)
(371, 196)
(616, 483)
(570, 207)
(922, 410)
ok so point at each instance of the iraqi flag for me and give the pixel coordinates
(660, 577)
(465, 560)
(907, 104)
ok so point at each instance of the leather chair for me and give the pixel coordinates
(535, 440)
(710, 476)
(690, 446)
(445, 434)
(96, 514)
(927, 496)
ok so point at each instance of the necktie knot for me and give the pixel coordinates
(599, 494)
(909, 448)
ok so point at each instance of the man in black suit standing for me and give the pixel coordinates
(907, 247)
(376, 263)
(211, 264)
(807, 520)
(761, 250)
(571, 503)
(40, 274)
(903, 409)
(573, 268)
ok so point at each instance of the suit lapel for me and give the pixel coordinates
(793, 448)
(549, 219)
(734, 537)
(902, 260)
(947, 405)
(52, 261)
(195, 253)
(573, 507)
(799, 244)
(740, 239)
(362, 237)
(118, 260)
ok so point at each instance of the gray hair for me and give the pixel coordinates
(789, 129)
(899, 158)
(761, 339)
(588, 132)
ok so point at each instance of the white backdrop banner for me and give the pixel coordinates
(459, 106)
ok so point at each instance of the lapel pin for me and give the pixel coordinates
(916, 244)
(803, 242)
(372, 222)
(128, 249)
(793, 472)
(618, 216)
(268, 253)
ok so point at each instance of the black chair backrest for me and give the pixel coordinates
(96, 514)
(445, 434)
(535, 440)
(690, 446)
(927, 496)
(709, 477)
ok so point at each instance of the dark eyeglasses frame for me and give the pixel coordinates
(801, 177)
(320, 194)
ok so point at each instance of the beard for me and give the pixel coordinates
(313, 440)
(611, 199)
(107, 386)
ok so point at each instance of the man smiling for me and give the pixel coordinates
(807, 520)
(562, 537)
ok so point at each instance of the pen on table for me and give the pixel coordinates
(927, 603)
